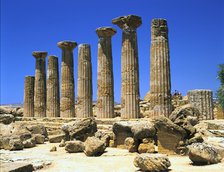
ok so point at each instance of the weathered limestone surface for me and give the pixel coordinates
(67, 104)
(203, 100)
(84, 102)
(53, 100)
(160, 82)
(40, 84)
(105, 80)
(29, 96)
(129, 72)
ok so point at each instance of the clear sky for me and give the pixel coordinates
(196, 38)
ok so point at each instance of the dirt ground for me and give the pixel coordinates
(113, 160)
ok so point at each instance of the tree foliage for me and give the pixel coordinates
(220, 91)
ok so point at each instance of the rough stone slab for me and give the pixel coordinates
(16, 167)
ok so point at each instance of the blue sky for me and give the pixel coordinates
(196, 38)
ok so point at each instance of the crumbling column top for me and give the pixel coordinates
(105, 31)
(28, 76)
(128, 22)
(159, 27)
(52, 57)
(39, 54)
(84, 45)
(67, 44)
(159, 22)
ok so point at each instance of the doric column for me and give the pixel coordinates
(203, 101)
(53, 101)
(40, 85)
(105, 80)
(67, 103)
(84, 98)
(129, 66)
(160, 82)
(28, 96)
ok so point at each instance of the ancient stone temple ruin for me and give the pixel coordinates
(203, 100)
(55, 101)
(160, 82)
(173, 125)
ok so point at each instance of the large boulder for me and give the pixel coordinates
(202, 153)
(57, 138)
(39, 139)
(143, 130)
(122, 130)
(217, 143)
(210, 128)
(6, 118)
(169, 135)
(4, 142)
(5, 110)
(28, 135)
(181, 113)
(80, 129)
(37, 129)
(17, 167)
(15, 144)
(186, 116)
(94, 146)
(18, 111)
(105, 137)
(29, 143)
(74, 146)
(146, 148)
(136, 129)
(152, 162)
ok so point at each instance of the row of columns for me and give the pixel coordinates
(105, 102)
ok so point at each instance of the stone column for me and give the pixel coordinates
(28, 97)
(105, 80)
(40, 85)
(203, 101)
(129, 66)
(84, 101)
(53, 104)
(67, 103)
(160, 82)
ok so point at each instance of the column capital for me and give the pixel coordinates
(39, 54)
(105, 31)
(130, 22)
(67, 44)
(159, 28)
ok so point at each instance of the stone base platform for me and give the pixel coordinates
(53, 125)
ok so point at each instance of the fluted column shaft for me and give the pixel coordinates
(53, 101)
(67, 104)
(105, 80)
(129, 66)
(160, 81)
(40, 85)
(203, 101)
(29, 96)
(84, 99)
